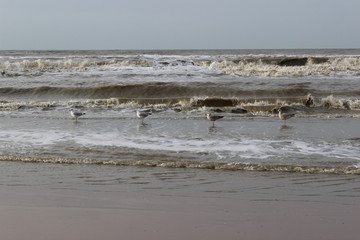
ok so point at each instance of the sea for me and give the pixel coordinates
(178, 88)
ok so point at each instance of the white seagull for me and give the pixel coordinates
(142, 115)
(76, 114)
(285, 116)
(213, 118)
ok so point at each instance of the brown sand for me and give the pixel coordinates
(36, 215)
(90, 202)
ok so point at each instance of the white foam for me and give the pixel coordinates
(247, 149)
(226, 148)
(229, 149)
(17, 138)
(327, 150)
(356, 165)
(343, 65)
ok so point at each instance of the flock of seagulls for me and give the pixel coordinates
(211, 117)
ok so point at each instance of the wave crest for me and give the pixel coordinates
(288, 66)
(168, 95)
(193, 164)
(242, 65)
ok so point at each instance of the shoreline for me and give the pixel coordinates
(188, 164)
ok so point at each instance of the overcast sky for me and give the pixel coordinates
(181, 24)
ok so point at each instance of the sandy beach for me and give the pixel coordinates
(163, 203)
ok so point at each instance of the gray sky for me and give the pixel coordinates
(185, 24)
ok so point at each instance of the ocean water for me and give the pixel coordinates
(321, 87)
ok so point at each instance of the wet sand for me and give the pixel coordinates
(53, 201)
(181, 218)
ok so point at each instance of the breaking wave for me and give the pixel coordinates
(305, 106)
(150, 90)
(241, 65)
(193, 164)
(289, 66)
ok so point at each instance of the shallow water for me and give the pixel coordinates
(313, 145)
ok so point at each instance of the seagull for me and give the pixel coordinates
(285, 116)
(142, 115)
(213, 118)
(76, 114)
